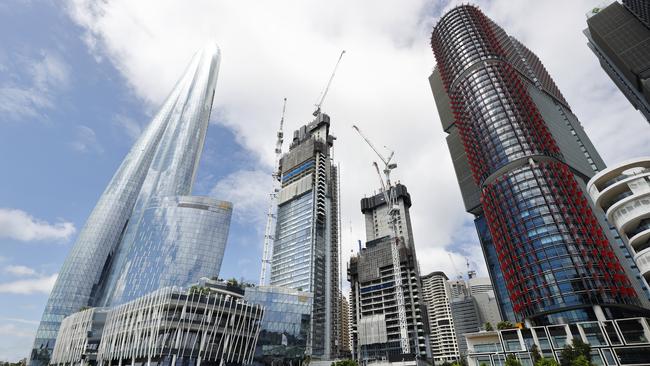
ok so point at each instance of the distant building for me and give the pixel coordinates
(436, 293)
(623, 342)
(480, 288)
(306, 248)
(207, 325)
(344, 338)
(488, 307)
(619, 35)
(477, 285)
(467, 319)
(375, 324)
(458, 288)
(623, 193)
(285, 328)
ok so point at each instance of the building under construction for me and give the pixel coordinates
(375, 321)
(306, 249)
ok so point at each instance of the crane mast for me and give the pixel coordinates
(393, 210)
(269, 236)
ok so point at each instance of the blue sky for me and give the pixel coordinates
(66, 122)
(79, 79)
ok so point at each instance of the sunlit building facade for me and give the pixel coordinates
(145, 232)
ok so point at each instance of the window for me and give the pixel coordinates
(632, 330)
(593, 334)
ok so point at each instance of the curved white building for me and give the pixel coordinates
(623, 192)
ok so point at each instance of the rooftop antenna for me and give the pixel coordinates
(323, 94)
(269, 237)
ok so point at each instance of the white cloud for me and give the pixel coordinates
(46, 74)
(128, 126)
(19, 225)
(249, 192)
(287, 49)
(42, 285)
(21, 321)
(22, 271)
(86, 140)
(16, 337)
(12, 330)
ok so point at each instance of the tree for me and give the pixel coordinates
(505, 325)
(512, 360)
(488, 327)
(546, 362)
(344, 363)
(581, 361)
(461, 362)
(572, 352)
(534, 354)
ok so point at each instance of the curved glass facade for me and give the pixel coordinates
(171, 173)
(177, 129)
(179, 240)
(552, 251)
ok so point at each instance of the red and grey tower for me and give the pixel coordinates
(522, 160)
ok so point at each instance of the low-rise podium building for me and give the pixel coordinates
(207, 325)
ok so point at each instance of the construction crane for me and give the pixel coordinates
(269, 237)
(459, 274)
(393, 211)
(322, 95)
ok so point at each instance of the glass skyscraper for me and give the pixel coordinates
(522, 160)
(145, 231)
(306, 248)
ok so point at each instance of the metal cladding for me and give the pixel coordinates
(550, 246)
(160, 167)
(170, 326)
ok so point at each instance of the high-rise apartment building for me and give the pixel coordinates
(623, 193)
(306, 248)
(436, 293)
(344, 336)
(522, 161)
(376, 328)
(145, 231)
(619, 35)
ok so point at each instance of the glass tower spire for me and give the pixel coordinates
(147, 196)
